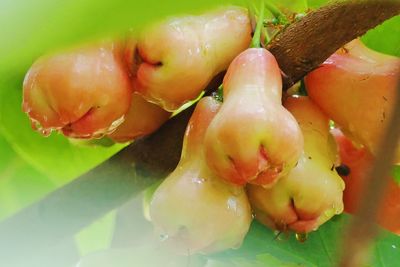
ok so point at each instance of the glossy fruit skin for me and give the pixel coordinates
(142, 118)
(360, 160)
(253, 138)
(312, 192)
(180, 56)
(83, 92)
(356, 87)
(193, 208)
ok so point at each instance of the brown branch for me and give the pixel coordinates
(302, 47)
(305, 44)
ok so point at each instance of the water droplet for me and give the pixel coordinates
(329, 213)
(39, 128)
(394, 246)
(35, 125)
(335, 209)
(237, 245)
(27, 109)
(97, 135)
(198, 180)
(301, 237)
(163, 237)
(115, 124)
(45, 132)
(232, 204)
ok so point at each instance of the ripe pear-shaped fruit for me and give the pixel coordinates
(83, 92)
(357, 161)
(177, 58)
(193, 209)
(142, 119)
(312, 192)
(253, 138)
(356, 87)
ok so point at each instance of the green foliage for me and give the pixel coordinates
(261, 248)
(145, 255)
(147, 196)
(278, 9)
(256, 41)
(385, 38)
(316, 3)
(97, 236)
(47, 25)
(320, 249)
(396, 173)
(20, 183)
(290, 5)
(261, 260)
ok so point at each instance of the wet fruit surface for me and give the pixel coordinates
(359, 160)
(356, 87)
(83, 92)
(193, 210)
(194, 49)
(141, 119)
(312, 191)
(253, 138)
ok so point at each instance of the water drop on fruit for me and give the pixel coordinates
(301, 237)
(198, 180)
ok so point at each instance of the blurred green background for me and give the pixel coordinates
(32, 166)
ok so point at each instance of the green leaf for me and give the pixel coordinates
(396, 173)
(317, 3)
(47, 25)
(147, 196)
(385, 38)
(147, 255)
(20, 183)
(96, 236)
(262, 260)
(320, 249)
(296, 6)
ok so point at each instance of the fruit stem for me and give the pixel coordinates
(267, 38)
(276, 13)
(303, 89)
(256, 41)
(219, 94)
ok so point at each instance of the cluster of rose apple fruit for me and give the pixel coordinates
(255, 152)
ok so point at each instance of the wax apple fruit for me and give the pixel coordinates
(82, 92)
(193, 209)
(312, 192)
(253, 138)
(142, 118)
(359, 160)
(180, 56)
(356, 87)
